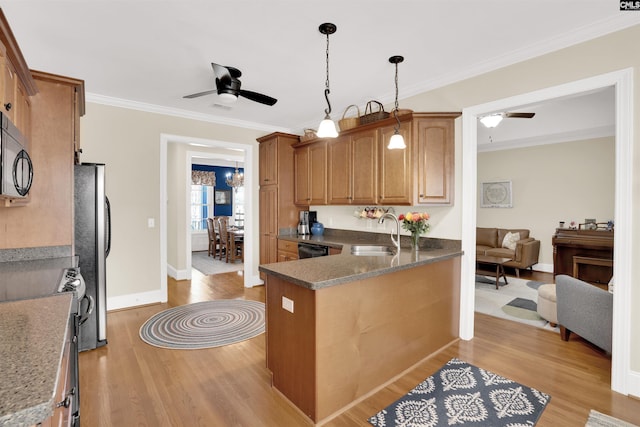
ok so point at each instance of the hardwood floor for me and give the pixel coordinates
(130, 383)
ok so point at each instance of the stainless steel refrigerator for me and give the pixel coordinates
(92, 243)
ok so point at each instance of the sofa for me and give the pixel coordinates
(522, 249)
(584, 309)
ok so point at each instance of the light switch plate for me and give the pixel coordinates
(287, 304)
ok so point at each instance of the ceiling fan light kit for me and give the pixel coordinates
(396, 142)
(327, 128)
(493, 120)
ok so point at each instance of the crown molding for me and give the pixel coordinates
(158, 109)
(583, 34)
(556, 138)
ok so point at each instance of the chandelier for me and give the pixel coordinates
(236, 180)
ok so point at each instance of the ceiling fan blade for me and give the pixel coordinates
(520, 115)
(258, 97)
(195, 95)
(221, 71)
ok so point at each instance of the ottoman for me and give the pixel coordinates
(547, 303)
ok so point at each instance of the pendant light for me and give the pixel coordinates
(396, 141)
(327, 128)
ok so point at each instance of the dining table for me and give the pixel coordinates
(234, 234)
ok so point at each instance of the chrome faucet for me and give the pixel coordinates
(395, 241)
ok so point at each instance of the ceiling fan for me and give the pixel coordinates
(492, 120)
(228, 87)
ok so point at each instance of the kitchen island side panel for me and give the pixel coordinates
(370, 331)
(291, 342)
(345, 341)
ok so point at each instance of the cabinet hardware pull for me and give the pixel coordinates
(8, 106)
(66, 402)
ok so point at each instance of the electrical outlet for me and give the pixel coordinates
(151, 222)
(287, 304)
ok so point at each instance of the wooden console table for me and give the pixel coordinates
(584, 254)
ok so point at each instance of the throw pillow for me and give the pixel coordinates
(510, 240)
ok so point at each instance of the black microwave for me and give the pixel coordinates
(16, 168)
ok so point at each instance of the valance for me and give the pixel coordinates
(203, 178)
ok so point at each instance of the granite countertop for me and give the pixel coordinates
(321, 272)
(32, 278)
(32, 337)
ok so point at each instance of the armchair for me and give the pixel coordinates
(584, 309)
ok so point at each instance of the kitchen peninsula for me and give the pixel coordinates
(342, 326)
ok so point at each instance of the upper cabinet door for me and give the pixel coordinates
(395, 175)
(434, 148)
(301, 176)
(364, 170)
(268, 166)
(339, 188)
(318, 173)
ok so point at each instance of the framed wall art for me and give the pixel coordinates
(223, 197)
(496, 194)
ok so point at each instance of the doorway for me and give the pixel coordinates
(248, 153)
(621, 81)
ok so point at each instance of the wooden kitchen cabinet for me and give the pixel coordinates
(352, 169)
(277, 210)
(310, 169)
(268, 173)
(287, 250)
(16, 82)
(394, 167)
(434, 158)
(47, 220)
(361, 170)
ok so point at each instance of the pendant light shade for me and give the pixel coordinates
(397, 141)
(327, 128)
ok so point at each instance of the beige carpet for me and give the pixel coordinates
(207, 265)
(495, 302)
(598, 419)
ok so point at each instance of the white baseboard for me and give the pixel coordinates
(634, 384)
(133, 300)
(546, 268)
(252, 280)
(178, 274)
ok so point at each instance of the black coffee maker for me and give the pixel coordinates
(307, 218)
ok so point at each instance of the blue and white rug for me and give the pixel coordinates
(460, 394)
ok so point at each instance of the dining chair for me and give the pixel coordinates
(213, 244)
(223, 226)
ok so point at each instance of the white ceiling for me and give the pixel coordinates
(147, 54)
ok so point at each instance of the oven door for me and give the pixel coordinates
(15, 167)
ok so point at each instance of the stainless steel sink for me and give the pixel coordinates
(372, 250)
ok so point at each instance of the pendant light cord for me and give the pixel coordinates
(326, 90)
(395, 110)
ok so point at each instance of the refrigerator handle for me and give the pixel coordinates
(108, 227)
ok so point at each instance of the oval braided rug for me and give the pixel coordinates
(204, 324)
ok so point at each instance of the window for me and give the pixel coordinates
(201, 206)
(238, 207)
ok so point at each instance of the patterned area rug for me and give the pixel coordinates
(204, 324)
(461, 394)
